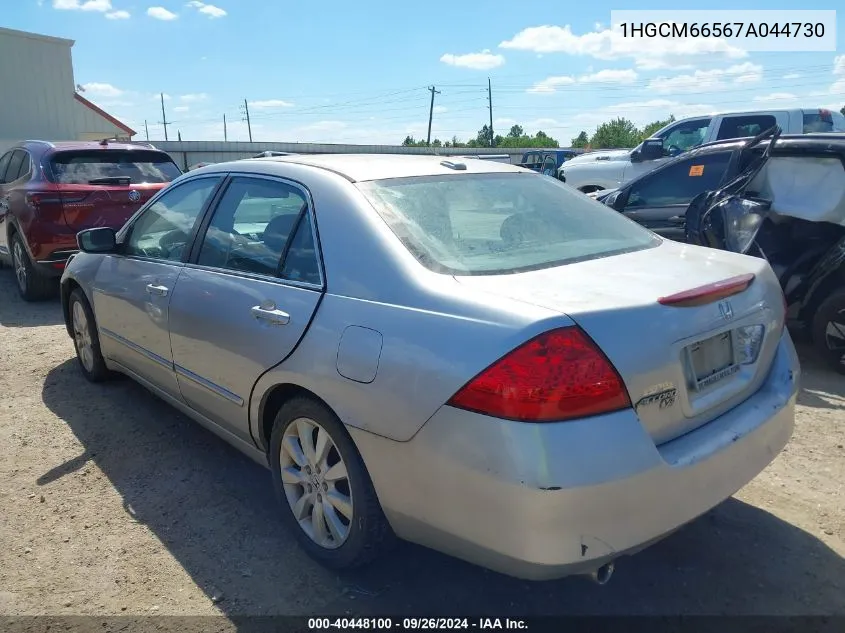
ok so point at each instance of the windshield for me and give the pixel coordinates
(486, 224)
(108, 166)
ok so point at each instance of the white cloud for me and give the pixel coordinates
(101, 90)
(118, 15)
(100, 6)
(182, 108)
(192, 98)
(485, 60)
(607, 76)
(838, 88)
(270, 103)
(160, 13)
(776, 96)
(157, 97)
(839, 65)
(551, 84)
(610, 77)
(207, 9)
(708, 80)
(609, 44)
(792, 76)
(440, 109)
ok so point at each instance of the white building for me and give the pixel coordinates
(39, 98)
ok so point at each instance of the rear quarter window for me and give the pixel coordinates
(80, 167)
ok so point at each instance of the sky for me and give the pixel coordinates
(349, 72)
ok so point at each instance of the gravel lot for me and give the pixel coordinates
(112, 503)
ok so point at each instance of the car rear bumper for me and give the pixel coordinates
(540, 501)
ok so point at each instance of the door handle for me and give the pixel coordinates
(154, 289)
(276, 317)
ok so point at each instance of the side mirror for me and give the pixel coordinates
(651, 149)
(98, 240)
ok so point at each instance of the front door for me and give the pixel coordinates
(133, 289)
(660, 199)
(245, 299)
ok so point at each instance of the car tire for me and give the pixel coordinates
(337, 519)
(86, 340)
(828, 324)
(32, 286)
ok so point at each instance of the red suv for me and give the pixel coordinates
(51, 191)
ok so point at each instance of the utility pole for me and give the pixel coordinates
(225, 135)
(431, 114)
(179, 133)
(163, 117)
(146, 129)
(490, 101)
(246, 118)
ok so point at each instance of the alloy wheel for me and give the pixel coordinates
(19, 261)
(82, 336)
(316, 483)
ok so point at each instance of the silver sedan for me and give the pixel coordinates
(460, 353)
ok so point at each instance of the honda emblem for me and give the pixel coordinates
(726, 310)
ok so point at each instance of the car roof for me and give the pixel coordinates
(363, 167)
(87, 145)
(828, 140)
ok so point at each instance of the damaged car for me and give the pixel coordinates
(782, 198)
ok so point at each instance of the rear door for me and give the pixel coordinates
(659, 200)
(104, 187)
(246, 297)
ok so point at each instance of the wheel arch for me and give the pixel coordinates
(271, 403)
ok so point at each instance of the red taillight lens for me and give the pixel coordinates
(559, 375)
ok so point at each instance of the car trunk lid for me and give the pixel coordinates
(692, 332)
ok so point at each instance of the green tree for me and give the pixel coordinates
(485, 135)
(842, 110)
(516, 131)
(409, 141)
(619, 132)
(651, 128)
(436, 143)
(581, 140)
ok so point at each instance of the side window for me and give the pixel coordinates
(531, 160)
(252, 225)
(549, 165)
(26, 166)
(301, 260)
(15, 164)
(748, 125)
(680, 182)
(4, 163)
(163, 230)
(686, 135)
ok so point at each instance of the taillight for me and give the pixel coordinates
(558, 375)
(709, 293)
(49, 204)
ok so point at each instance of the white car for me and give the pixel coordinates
(610, 169)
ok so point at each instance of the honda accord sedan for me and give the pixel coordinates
(460, 353)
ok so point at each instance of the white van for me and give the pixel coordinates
(610, 169)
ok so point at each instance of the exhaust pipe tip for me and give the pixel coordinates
(602, 575)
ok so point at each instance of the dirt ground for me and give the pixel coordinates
(112, 503)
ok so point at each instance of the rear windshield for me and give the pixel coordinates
(83, 167)
(487, 224)
(828, 122)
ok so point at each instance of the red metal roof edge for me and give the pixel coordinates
(104, 114)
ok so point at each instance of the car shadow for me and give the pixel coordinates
(821, 388)
(215, 512)
(15, 312)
